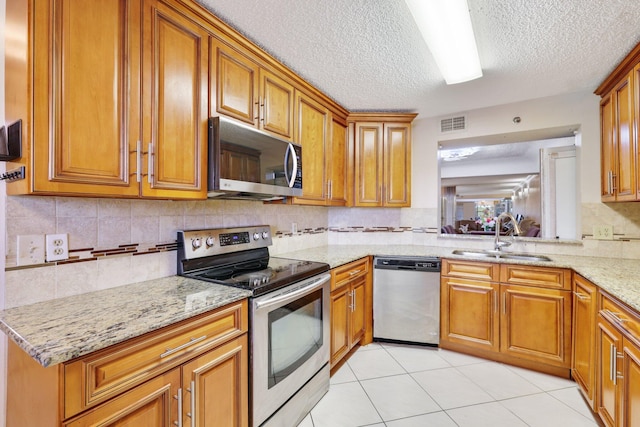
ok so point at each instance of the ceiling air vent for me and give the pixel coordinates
(453, 124)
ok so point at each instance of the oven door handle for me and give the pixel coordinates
(315, 283)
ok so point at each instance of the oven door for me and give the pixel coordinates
(290, 342)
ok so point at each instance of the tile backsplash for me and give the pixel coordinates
(98, 230)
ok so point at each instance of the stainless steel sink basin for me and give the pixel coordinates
(501, 255)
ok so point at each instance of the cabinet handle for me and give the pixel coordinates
(138, 160)
(353, 299)
(616, 316)
(150, 164)
(191, 414)
(612, 363)
(179, 397)
(582, 297)
(192, 341)
(354, 272)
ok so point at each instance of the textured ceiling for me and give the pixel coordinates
(369, 55)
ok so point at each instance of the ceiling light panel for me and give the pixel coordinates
(446, 27)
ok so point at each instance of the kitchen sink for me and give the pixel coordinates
(501, 255)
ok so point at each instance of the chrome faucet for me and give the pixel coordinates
(499, 244)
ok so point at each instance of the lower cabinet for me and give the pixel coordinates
(618, 364)
(584, 341)
(351, 308)
(193, 373)
(514, 314)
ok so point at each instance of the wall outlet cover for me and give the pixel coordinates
(57, 247)
(603, 232)
(30, 249)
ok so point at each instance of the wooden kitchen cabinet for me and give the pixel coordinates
(618, 363)
(120, 92)
(246, 91)
(381, 144)
(584, 342)
(507, 312)
(469, 315)
(351, 308)
(202, 362)
(324, 153)
(618, 148)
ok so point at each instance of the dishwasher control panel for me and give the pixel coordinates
(408, 263)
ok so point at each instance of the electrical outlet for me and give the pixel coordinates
(30, 249)
(57, 247)
(603, 232)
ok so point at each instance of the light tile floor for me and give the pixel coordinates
(411, 386)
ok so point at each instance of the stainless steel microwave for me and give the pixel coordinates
(248, 163)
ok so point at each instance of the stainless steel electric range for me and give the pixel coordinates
(288, 316)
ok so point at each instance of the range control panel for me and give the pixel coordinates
(202, 243)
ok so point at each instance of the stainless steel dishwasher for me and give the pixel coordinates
(406, 299)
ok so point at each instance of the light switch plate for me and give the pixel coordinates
(30, 249)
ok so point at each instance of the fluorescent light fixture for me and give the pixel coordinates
(446, 27)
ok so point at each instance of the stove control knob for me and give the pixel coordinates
(256, 236)
(265, 234)
(210, 241)
(196, 243)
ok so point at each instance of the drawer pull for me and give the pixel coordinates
(192, 341)
(616, 316)
(582, 297)
(179, 398)
(354, 272)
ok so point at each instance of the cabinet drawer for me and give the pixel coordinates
(470, 269)
(621, 316)
(345, 273)
(106, 373)
(543, 277)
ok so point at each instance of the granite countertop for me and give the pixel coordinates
(59, 330)
(619, 277)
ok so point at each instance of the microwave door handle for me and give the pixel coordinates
(293, 295)
(290, 152)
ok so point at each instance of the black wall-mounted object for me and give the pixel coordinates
(12, 141)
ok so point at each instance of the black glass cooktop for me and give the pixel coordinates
(260, 275)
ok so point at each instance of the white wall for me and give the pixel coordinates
(580, 109)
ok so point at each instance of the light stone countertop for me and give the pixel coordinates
(59, 330)
(619, 277)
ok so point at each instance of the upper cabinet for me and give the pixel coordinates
(619, 118)
(113, 98)
(247, 92)
(381, 144)
(324, 153)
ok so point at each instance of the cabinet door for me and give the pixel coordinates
(277, 105)
(215, 387)
(152, 404)
(235, 82)
(625, 172)
(340, 313)
(397, 164)
(584, 329)
(86, 96)
(337, 164)
(607, 394)
(357, 321)
(469, 313)
(369, 163)
(175, 88)
(535, 324)
(607, 148)
(631, 389)
(311, 134)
